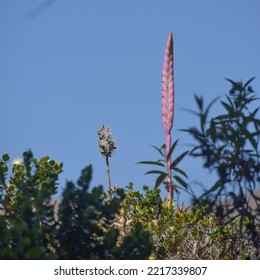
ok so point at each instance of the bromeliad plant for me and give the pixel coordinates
(168, 106)
(167, 149)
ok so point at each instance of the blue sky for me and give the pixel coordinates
(69, 68)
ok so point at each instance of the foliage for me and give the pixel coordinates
(229, 144)
(31, 228)
(177, 173)
(27, 216)
(86, 223)
(89, 225)
(182, 233)
(86, 228)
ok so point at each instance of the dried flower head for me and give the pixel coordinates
(106, 142)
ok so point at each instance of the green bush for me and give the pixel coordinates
(82, 228)
(182, 233)
(86, 224)
(27, 217)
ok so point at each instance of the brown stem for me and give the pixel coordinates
(108, 177)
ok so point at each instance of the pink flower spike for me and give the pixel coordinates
(168, 87)
(168, 104)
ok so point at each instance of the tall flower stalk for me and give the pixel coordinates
(168, 106)
(106, 147)
(166, 150)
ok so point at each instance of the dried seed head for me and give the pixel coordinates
(106, 142)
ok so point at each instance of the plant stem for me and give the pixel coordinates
(170, 190)
(108, 177)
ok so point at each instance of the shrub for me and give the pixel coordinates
(182, 233)
(31, 228)
(229, 146)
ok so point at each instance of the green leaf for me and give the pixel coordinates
(215, 187)
(171, 150)
(5, 157)
(227, 107)
(212, 131)
(252, 115)
(160, 149)
(155, 172)
(180, 181)
(199, 101)
(151, 162)
(231, 81)
(160, 179)
(204, 116)
(248, 82)
(178, 159)
(211, 104)
(180, 171)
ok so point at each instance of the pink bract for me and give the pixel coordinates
(168, 103)
(168, 87)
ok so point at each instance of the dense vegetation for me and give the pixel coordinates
(223, 223)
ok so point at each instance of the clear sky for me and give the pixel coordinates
(68, 67)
